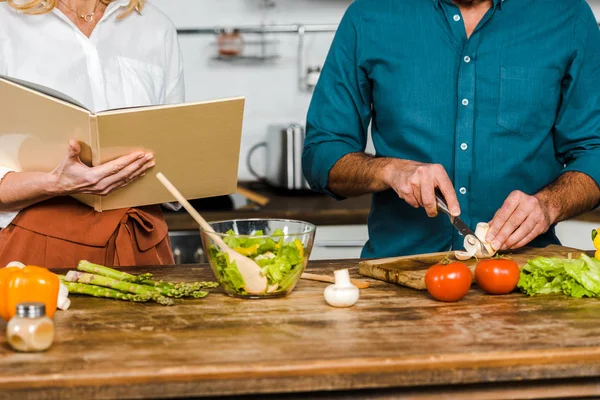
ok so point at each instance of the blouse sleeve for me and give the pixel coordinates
(10, 145)
(174, 69)
(6, 217)
(3, 50)
(174, 81)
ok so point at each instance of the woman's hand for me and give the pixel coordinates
(73, 176)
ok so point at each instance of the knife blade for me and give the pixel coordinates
(458, 223)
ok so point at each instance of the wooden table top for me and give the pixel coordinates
(393, 337)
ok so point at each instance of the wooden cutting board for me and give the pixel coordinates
(410, 271)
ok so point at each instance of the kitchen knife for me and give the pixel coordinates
(457, 222)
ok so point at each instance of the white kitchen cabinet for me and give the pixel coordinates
(576, 233)
(339, 242)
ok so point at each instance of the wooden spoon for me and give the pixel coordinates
(254, 281)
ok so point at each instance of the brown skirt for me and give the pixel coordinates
(60, 232)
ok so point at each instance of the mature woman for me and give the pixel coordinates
(105, 54)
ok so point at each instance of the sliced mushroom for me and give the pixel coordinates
(481, 232)
(470, 247)
(473, 247)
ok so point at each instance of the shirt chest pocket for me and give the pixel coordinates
(142, 84)
(529, 99)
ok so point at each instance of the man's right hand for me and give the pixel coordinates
(416, 182)
(73, 176)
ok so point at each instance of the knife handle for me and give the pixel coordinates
(441, 203)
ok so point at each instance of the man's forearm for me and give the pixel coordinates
(23, 189)
(356, 174)
(573, 193)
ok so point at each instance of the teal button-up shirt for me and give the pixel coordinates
(510, 108)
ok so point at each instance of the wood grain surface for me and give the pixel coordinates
(394, 338)
(410, 271)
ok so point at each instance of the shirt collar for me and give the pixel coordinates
(115, 5)
(497, 3)
(118, 4)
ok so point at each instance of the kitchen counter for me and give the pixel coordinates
(306, 206)
(592, 216)
(393, 341)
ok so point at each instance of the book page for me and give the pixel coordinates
(45, 90)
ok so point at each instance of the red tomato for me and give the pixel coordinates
(497, 275)
(448, 282)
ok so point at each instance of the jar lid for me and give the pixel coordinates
(31, 310)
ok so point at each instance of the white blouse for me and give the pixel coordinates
(135, 61)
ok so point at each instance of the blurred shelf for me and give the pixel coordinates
(264, 29)
(241, 59)
(255, 42)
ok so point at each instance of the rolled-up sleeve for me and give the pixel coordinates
(577, 128)
(340, 110)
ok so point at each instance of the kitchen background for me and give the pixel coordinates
(275, 90)
(271, 88)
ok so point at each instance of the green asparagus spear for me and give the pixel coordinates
(97, 269)
(170, 289)
(128, 287)
(98, 291)
(189, 286)
(182, 289)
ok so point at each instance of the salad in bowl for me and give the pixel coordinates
(280, 249)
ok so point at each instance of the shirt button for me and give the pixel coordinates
(457, 17)
(464, 146)
(465, 102)
(467, 59)
(463, 190)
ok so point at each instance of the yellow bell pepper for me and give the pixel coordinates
(596, 241)
(299, 246)
(29, 284)
(247, 251)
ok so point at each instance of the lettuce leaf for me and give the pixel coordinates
(573, 277)
(227, 271)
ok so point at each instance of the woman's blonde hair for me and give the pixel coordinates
(43, 6)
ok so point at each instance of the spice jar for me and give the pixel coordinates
(30, 330)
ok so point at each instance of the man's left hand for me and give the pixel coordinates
(521, 219)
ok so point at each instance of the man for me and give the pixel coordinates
(496, 103)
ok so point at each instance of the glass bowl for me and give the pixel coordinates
(280, 247)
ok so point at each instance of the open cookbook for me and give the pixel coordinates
(196, 145)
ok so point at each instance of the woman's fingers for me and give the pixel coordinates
(116, 186)
(126, 175)
(72, 176)
(74, 149)
(114, 167)
(104, 188)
